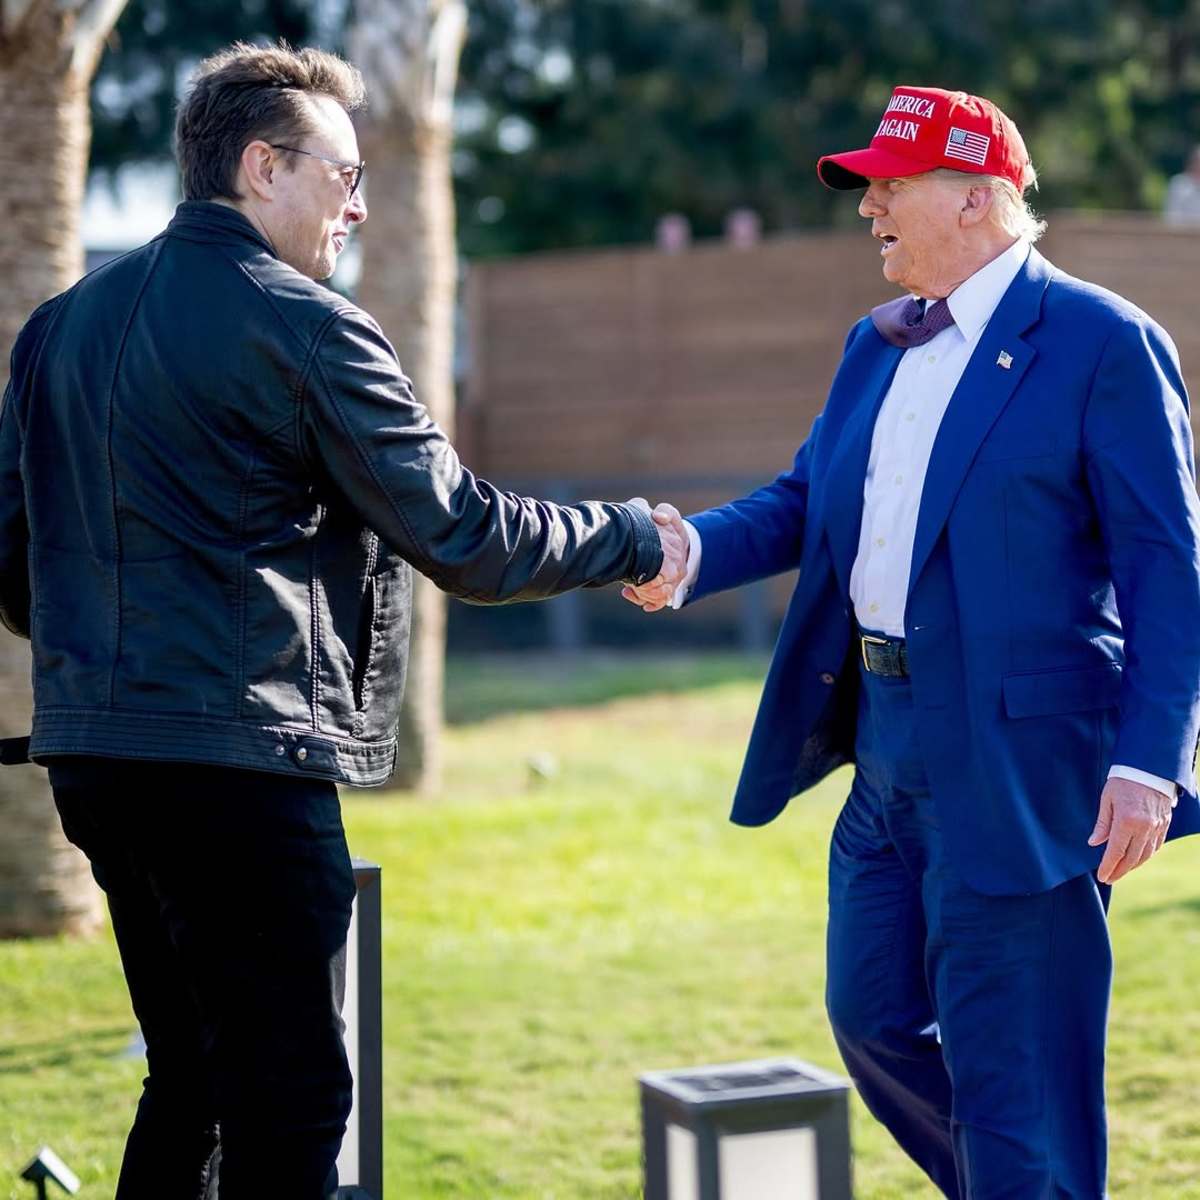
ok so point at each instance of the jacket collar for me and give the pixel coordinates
(208, 221)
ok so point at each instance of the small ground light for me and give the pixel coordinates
(773, 1129)
(46, 1166)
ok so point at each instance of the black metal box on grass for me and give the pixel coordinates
(360, 1164)
(773, 1129)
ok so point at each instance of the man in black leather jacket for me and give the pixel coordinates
(214, 485)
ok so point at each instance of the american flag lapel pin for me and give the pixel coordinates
(1005, 360)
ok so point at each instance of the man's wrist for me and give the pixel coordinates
(1168, 787)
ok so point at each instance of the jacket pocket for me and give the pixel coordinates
(1062, 690)
(366, 643)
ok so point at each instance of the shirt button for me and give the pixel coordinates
(301, 754)
(910, 416)
(933, 358)
(873, 608)
(881, 541)
(899, 480)
(827, 678)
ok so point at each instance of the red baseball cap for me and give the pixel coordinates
(926, 128)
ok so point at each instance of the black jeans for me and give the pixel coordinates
(230, 893)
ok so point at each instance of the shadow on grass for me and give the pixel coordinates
(79, 1046)
(482, 686)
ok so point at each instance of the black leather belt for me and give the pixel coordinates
(884, 656)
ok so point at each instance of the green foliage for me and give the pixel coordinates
(546, 940)
(706, 106)
(153, 49)
(583, 121)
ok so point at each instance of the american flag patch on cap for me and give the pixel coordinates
(970, 147)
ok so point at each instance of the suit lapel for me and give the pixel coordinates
(996, 368)
(848, 463)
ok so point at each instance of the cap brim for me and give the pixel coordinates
(851, 169)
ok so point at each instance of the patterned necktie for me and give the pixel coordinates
(902, 323)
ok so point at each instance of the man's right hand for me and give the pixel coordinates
(657, 593)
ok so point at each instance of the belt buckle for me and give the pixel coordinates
(864, 638)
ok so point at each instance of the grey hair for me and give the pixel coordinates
(1011, 210)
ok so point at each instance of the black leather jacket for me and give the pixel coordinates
(213, 480)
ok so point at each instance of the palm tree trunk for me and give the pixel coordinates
(43, 166)
(408, 51)
(46, 63)
(409, 286)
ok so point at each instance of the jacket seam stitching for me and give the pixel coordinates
(112, 477)
(53, 309)
(314, 686)
(301, 385)
(239, 669)
(58, 711)
(369, 582)
(265, 292)
(1118, 325)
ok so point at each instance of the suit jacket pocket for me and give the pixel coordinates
(1062, 690)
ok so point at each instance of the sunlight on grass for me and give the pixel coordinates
(550, 933)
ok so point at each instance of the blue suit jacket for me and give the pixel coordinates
(1053, 614)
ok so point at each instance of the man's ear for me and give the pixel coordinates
(976, 205)
(258, 165)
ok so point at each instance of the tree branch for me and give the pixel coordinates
(12, 13)
(93, 24)
(408, 52)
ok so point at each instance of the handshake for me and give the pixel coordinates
(656, 594)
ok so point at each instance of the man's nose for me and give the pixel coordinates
(869, 206)
(356, 211)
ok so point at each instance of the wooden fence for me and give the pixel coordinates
(693, 377)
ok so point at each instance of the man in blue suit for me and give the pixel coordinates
(997, 620)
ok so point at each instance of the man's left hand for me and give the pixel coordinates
(1133, 821)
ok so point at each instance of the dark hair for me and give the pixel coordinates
(248, 92)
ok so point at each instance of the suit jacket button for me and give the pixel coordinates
(301, 754)
(826, 677)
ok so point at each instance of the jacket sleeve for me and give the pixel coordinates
(761, 534)
(757, 536)
(1138, 446)
(363, 430)
(14, 529)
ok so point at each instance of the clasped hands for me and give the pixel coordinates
(658, 592)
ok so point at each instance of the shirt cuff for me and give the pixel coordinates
(684, 590)
(1166, 786)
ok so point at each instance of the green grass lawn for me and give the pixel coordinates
(548, 938)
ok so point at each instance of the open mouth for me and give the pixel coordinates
(888, 243)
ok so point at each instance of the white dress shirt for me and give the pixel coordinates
(905, 429)
(901, 444)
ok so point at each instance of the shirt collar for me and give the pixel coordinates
(976, 298)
